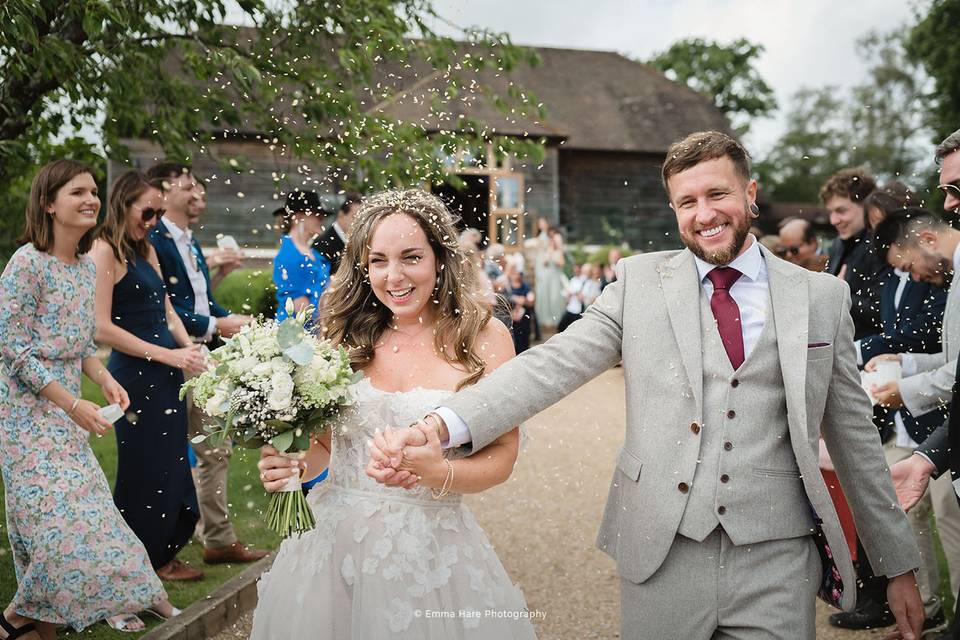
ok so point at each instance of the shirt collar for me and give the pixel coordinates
(749, 263)
(176, 232)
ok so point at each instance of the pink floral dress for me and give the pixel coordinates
(76, 560)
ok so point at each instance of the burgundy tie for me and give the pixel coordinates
(727, 313)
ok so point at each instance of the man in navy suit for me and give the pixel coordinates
(187, 279)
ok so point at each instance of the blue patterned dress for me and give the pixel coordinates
(76, 560)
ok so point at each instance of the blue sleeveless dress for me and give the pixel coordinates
(154, 489)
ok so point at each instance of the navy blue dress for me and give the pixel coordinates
(154, 489)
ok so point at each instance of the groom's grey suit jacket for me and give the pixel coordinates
(653, 319)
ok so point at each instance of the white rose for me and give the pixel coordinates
(279, 364)
(281, 392)
(263, 370)
(243, 365)
(215, 403)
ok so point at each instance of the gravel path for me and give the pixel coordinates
(544, 519)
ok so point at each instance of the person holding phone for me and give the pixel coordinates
(187, 279)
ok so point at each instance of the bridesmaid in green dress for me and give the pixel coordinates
(76, 560)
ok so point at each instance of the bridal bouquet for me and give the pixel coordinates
(275, 383)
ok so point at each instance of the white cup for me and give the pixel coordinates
(111, 413)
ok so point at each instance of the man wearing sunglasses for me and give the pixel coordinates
(800, 245)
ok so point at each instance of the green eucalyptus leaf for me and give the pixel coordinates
(301, 353)
(282, 441)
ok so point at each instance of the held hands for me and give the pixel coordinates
(888, 357)
(888, 395)
(114, 393)
(910, 479)
(86, 415)
(906, 606)
(276, 469)
(389, 449)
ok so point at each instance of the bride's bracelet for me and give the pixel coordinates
(447, 482)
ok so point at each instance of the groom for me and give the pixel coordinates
(736, 362)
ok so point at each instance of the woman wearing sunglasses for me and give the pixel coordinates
(151, 351)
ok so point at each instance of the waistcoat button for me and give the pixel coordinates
(731, 414)
(721, 509)
(734, 383)
(683, 487)
(727, 446)
(724, 478)
(695, 427)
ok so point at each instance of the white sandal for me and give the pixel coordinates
(123, 622)
(156, 613)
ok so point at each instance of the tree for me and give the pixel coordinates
(813, 146)
(171, 71)
(724, 73)
(879, 123)
(932, 42)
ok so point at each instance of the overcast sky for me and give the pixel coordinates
(808, 42)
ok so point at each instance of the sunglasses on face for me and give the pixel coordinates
(150, 213)
(785, 251)
(950, 188)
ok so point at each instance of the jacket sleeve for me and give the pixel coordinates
(857, 454)
(543, 375)
(937, 448)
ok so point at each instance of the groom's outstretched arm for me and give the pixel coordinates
(857, 454)
(541, 376)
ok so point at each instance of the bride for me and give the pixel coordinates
(388, 562)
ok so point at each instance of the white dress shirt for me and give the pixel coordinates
(183, 238)
(339, 231)
(751, 292)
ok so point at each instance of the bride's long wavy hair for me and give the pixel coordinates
(356, 319)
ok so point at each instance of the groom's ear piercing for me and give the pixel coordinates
(754, 210)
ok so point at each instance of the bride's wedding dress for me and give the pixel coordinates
(383, 561)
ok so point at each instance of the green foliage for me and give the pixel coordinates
(249, 291)
(932, 42)
(171, 72)
(878, 123)
(724, 73)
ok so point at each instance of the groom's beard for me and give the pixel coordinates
(725, 255)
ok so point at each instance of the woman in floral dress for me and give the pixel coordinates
(76, 560)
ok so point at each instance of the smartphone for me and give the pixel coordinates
(227, 242)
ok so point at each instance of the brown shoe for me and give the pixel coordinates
(177, 571)
(235, 553)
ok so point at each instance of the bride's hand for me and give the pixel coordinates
(386, 453)
(276, 469)
(425, 463)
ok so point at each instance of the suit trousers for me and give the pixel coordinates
(715, 590)
(928, 576)
(210, 477)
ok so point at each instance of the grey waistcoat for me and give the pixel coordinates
(747, 480)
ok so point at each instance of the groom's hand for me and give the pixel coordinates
(386, 454)
(910, 479)
(906, 606)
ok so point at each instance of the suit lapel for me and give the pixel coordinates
(789, 301)
(681, 288)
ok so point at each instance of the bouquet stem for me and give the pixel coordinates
(288, 511)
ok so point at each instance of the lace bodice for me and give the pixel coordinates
(373, 409)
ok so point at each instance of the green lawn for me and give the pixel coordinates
(247, 501)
